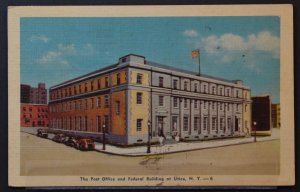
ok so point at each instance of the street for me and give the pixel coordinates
(45, 157)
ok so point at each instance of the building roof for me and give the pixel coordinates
(150, 63)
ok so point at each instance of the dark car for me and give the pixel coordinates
(86, 144)
(72, 142)
(59, 138)
(42, 133)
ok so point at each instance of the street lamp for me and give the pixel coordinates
(254, 126)
(103, 136)
(149, 132)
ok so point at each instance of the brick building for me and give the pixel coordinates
(128, 95)
(34, 115)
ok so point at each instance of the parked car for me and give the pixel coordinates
(86, 144)
(72, 142)
(59, 138)
(42, 133)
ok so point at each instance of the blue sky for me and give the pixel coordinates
(54, 50)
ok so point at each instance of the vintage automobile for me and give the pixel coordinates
(72, 142)
(59, 138)
(42, 133)
(85, 144)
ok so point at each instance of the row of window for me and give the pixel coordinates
(39, 116)
(205, 123)
(80, 123)
(83, 88)
(39, 109)
(197, 104)
(83, 105)
(205, 88)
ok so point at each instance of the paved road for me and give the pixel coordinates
(45, 157)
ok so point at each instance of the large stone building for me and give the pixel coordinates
(129, 94)
(36, 95)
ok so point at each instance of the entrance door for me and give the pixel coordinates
(160, 125)
(236, 124)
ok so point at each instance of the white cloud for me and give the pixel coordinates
(88, 49)
(231, 46)
(190, 33)
(58, 56)
(35, 38)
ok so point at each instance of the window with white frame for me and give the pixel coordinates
(161, 100)
(185, 123)
(106, 101)
(161, 82)
(175, 102)
(213, 123)
(205, 123)
(185, 85)
(139, 78)
(139, 96)
(185, 103)
(139, 124)
(196, 123)
(175, 84)
(196, 104)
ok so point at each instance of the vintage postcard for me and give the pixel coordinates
(151, 95)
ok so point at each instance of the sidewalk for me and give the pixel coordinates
(173, 148)
(182, 146)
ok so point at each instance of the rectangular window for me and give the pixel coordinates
(161, 82)
(246, 107)
(185, 103)
(139, 124)
(237, 107)
(139, 98)
(205, 123)
(175, 83)
(75, 105)
(229, 123)
(70, 91)
(92, 103)
(106, 82)
(161, 100)
(196, 123)
(79, 89)
(213, 123)
(98, 102)
(221, 123)
(85, 123)
(227, 92)
(85, 88)
(185, 123)
(139, 78)
(228, 107)
(221, 91)
(195, 87)
(80, 105)
(185, 85)
(213, 105)
(213, 90)
(195, 104)
(204, 89)
(99, 126)
(99, 83)
(118, 79)
(92, 85)
(237, 93)
(117, 107)
(75, 90)
(85, 104)
(175, 102)
(106, 103)
(221, 106)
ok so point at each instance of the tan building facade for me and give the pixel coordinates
(129, 95)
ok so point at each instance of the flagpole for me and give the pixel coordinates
(199, 61)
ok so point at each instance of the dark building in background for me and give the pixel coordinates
(261, 114)
(36, 95)
(25, 93)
